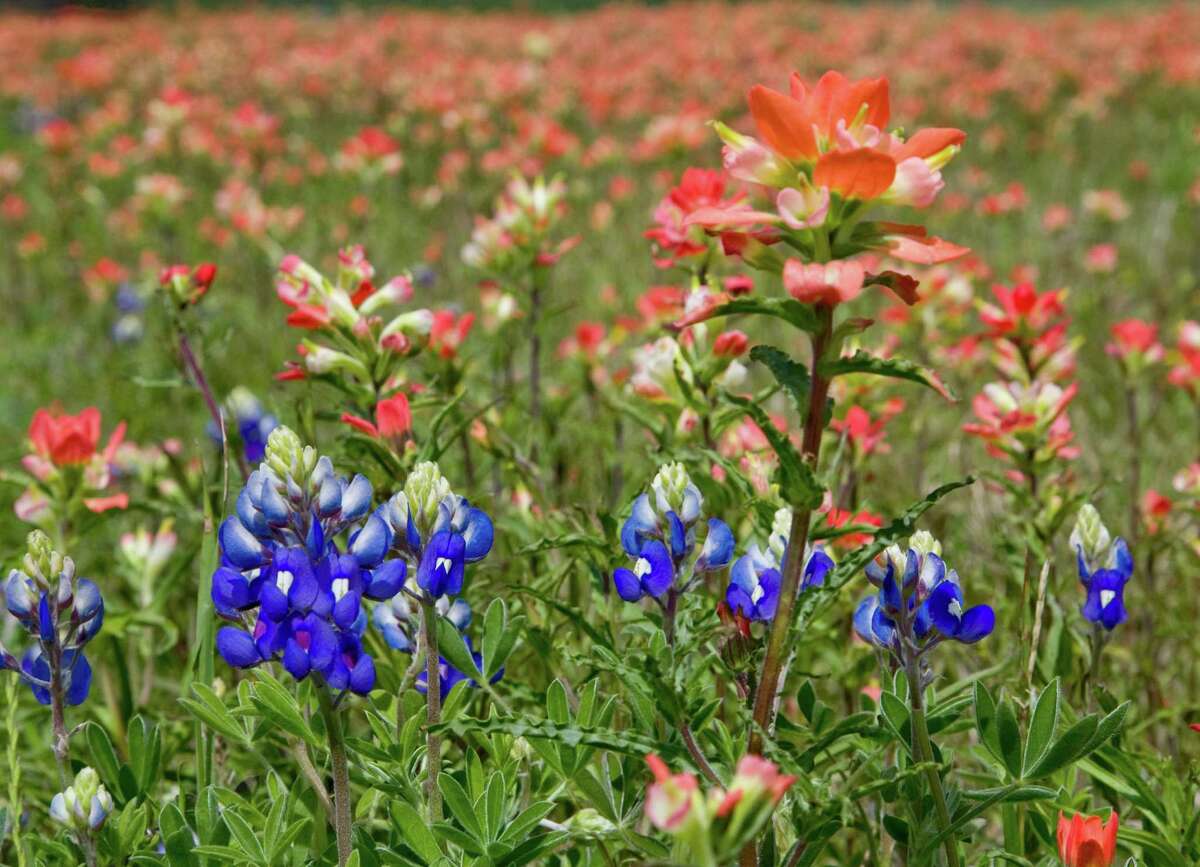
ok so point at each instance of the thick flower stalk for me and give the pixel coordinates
(61, 613)
(919, 605)
(661, 537)
(357, 339)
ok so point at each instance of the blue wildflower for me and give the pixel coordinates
(756, 576)
(251, 423)
(1105, 567)
(919, 603)
(284, 576)
(660, 537)
(61, 613)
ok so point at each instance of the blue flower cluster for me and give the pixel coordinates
(919, 603)
(1105, 567)
(61, 613)
(660, 536)
(755, 579)
(280, 557)
(282, 563)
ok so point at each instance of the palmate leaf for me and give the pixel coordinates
(797, 483)
(895, 368)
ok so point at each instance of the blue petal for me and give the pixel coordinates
(362, 676)
(88, 603)
(627, 584)
(977, 623)
(239, 545)
(863, 616)
(819, 565)
(890, 596)
(477, 533)
(231, 592)
(661, 573)
(314, 542)
(739, 600)
(370, 544)
(329, 497)
(296, 660)
(19, 596)
(441, 570)
(80, 677)
(938, 605)
(770, 582)
(45, 620)
(237, 647)
(272, 503)
(1124, 560)
(642, 522)
(677, 536)
(356, 498)
(718, 546)
(387, 580)
(345, 610)
(912, 568)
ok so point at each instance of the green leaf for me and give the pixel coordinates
(279, 706)
(416, 834)
(211, 711)
(1009, 736)
(104, 757)
(895, 713)
(789, 310)
(1042, 724)
(798, 485)
(1109, 726)
(245, 836)
(985, 720)
(460, 805)
(1072, 745)
(499, 636)
(895, 368)
(790, 374)
(453, 649)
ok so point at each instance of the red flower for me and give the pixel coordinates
(393, 419)
(731, 344)
(1021, 308)
(449, 331)
(1084, 842)
(1135, 339)
(70, 439)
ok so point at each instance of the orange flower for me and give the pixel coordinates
(1084, 842)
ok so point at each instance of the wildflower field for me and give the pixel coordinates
(698, 434)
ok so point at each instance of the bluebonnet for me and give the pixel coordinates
(438, 533)
(919, 604)
(251, 422)
(660, 536)
(435, 531)
(756, 576)
(284, 575)
(61, 613)
(128, 327)
(1105, 567)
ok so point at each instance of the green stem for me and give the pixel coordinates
(433, 708)
(341, 774)
(923, 752)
